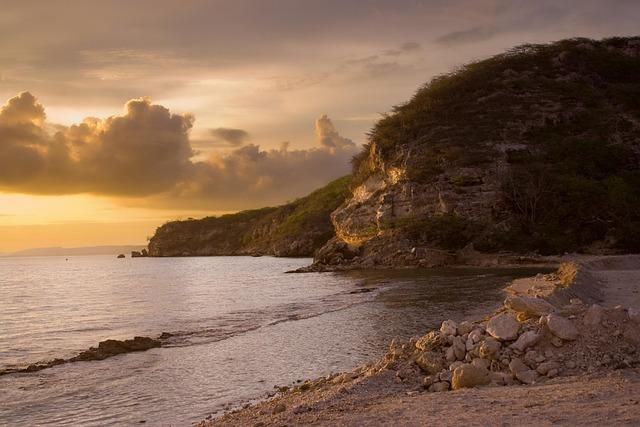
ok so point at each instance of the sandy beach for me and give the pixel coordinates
(597, 380)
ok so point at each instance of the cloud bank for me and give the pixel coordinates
(144, 156)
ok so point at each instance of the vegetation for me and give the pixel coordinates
(295, 229)
(573, 105)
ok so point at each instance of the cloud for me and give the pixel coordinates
(229, 136)
(475, 34)
(145, 154)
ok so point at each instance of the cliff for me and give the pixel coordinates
(295, 229)
(536, 150)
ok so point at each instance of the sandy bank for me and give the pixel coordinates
(590, 377)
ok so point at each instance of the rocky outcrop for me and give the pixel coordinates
(104, 350)
(496, 158)
(298, 228)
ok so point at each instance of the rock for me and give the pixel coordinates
(501, 378)
(440, 386)
(517, 365)
(449, 327)
(445, 376)
(475, 336)
(430, 341)
(280, 407)
(450, 354)
(552, 373)
(489, 348)
(503, 327)
(430, 362)
(528, 306)
(525, 340)
(459, 348)
(468, 375)
(454, 365)
(428, 380)
(481, 363)
(301, 409)
(634, 315)
(544, 368)
(121, 256)
(528, 376)
(556, 342)
(562, 327)
(570, 364)
(593, 316)
(465, 327)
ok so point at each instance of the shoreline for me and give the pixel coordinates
(600, 364)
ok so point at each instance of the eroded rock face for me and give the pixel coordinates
(503, 327)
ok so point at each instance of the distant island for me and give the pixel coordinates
(84, 250)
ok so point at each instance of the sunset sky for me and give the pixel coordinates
(120, 115)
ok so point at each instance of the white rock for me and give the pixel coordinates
(449, 327)
(562, 327)
(503, 327)
(593, 316)
(525, 340)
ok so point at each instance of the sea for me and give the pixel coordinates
(241, 326)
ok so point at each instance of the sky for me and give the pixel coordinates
(116, 116)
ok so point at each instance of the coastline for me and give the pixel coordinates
(598, 370)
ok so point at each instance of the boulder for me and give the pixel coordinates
(120, 256)
(468, 375)
(562, 327)
(481, 363)
(449, 327)
(593, 316)
(529, 306)
(525, 340)
(503, 327)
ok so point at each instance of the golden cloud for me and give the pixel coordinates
(146, 152)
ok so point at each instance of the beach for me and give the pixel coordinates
(591, 388)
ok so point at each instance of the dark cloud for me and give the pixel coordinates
(475, 34)
(146, 152)
(229, 136)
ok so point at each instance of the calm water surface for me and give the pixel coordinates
(241, 326)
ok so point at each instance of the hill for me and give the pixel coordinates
(294, 229)
(535, 150)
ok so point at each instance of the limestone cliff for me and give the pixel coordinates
(295, 229)
(534, 150)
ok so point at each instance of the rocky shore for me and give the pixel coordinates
(563, 335)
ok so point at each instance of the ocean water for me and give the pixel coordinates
(240, 324)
